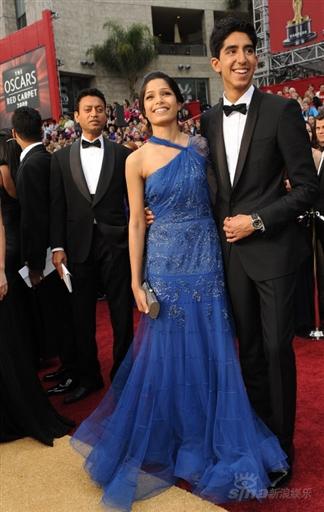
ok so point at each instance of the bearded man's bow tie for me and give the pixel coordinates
(87, 144)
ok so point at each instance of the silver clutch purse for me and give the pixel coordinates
(152, 302)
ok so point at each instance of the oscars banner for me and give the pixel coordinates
(24, 83)
(28, 71)
(295, 23)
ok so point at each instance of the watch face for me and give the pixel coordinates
(257, 224)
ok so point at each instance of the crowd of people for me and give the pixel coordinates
(119, 196)
(125, 125)
(311, 101)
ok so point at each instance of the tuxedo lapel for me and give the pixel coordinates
(20, 169)
(77, 172)
(321, 170)
(106, 172)
(217, 145)
(252, 116)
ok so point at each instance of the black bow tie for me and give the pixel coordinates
(241, 107)
(87, 144)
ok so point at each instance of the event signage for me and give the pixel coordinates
(295, 23)
(20, 86)
(28, 71)
(25, 84)
(299, 28)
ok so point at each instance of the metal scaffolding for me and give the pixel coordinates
(278, 67)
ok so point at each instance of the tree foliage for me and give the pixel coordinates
(233, 4)
(126, 51)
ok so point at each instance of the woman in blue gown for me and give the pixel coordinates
(177, 408)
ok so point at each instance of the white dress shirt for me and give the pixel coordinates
(27, 149)
(91, 161)
(233, 128)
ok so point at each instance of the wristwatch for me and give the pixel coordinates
(257, 222)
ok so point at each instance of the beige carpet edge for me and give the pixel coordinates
(37, 478)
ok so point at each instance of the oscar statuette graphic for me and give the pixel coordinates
(299, 30)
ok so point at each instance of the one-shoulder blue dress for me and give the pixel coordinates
(178, 408)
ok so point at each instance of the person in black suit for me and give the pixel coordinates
(319, 206)
(24, 407)
(32, 190)
(252, 137)
(49, 301)
(89, 234)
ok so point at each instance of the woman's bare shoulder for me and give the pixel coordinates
(138, 156)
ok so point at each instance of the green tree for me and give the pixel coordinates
(233, 4)
(126, 52)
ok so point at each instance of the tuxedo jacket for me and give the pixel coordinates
(319, 205)
(274, 138)
(32, 183)
(74, 211)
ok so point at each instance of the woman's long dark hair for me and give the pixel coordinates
(9, 152)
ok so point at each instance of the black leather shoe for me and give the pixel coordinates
(57, 375)
(279, 478)
(65, 386)
(81, 392)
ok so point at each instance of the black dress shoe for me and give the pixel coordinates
(81, 392)
(65, 386)
(279, 478)
(57, 375)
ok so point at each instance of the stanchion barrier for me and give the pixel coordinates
(310, 218)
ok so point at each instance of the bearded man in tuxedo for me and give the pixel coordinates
(89, 234)
(252, 138)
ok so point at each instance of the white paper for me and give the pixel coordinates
(49, 268)
(67, 278)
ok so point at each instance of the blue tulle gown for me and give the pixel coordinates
(178, 408)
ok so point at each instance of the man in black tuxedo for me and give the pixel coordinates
(319, 207)
(89, 234)
(32, 190)
(252, 137)
(49, 303)
(319, 130)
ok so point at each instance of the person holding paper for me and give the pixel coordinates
(49, 299)
(32, 189)
(24, 407)
(89, 234)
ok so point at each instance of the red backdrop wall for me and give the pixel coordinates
(282, 11)
(300, 85)
(28, 71)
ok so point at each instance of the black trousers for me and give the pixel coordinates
(107, 268)
(50, 313)
(47, 306)
(264, 319)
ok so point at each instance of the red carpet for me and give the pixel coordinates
(305, 492)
